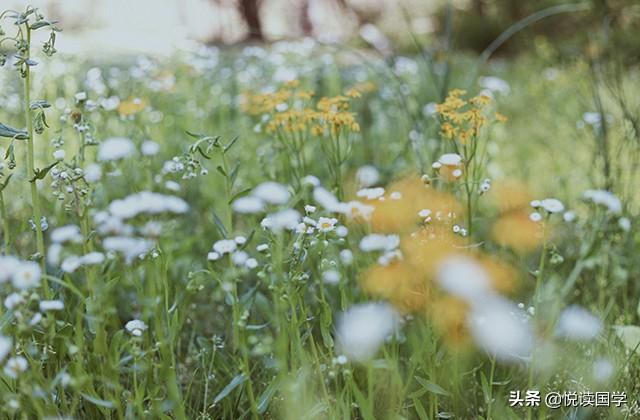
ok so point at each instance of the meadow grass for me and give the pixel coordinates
(298, 231)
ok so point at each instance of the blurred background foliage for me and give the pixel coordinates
(567, 28)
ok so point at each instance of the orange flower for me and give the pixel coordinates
(131, 106)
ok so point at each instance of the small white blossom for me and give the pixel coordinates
(69, 233)
(15, 366)
(5, 347)
(363, 328)
(552, 205)
(326, 224)
(342, 231)
(331, 276)
(367, 175)
(136, 327)
(271, 192)
(535, 216)
(225, 246)
(248, 205)
(150, 148)
(346, 256)
(115, 148)
(59, 154)
(378, 242)
(576, 323)
(26, 276)
(51, 305)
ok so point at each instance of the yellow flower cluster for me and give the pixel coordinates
(291, 111)
(427, 240)
(462, 119)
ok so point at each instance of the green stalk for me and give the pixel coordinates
(35, 198)
(5, 225)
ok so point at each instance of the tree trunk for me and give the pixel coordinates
(250, 10)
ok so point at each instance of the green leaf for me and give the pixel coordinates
(204, 155)
(98, 401)
(5, 183)
(12, 133)
(239, 379)
(221, 170)
(431, 386)
(220, 225)
(230, 144)
(422, 413)
(41, 173)
(265, 398)
(40, 103)
(234, 173)
(239, 194)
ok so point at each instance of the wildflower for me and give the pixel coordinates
(147, 202)
(363, 328)
(129, 247)
(346, 256)
(251, 263)
(272, 193)
(59, 154)
(15, 366)
(93, 173)
(569, 216)
(371, 193)
(450, 159)
(367, 176)
(604, 198)
(13, 300)
(378, 242)
(331, 277)
(326, 224)
(342, 231)
(501, 329)
(283, 220)
(69, 233)
(51, 305)
(262, 247)
(225, 246)
(494, 84)
(131, 107)
(535, 217)
(311, 180)
(239, 257)
(5, 347)
(424, 213)
(517, 230)
(576, 323)
(485, 186)
(603, 370)
(213, 256)
(248, 205)
(552, 205)
(115, 148)
(149, 148)
(26, 276)
(71, 264)
(464, 278)
(309, 209)
(8, 266)
(624, 223)
(172, 185)
(136, 327)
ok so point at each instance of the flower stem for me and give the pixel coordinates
(5, 225)
(35, 199)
